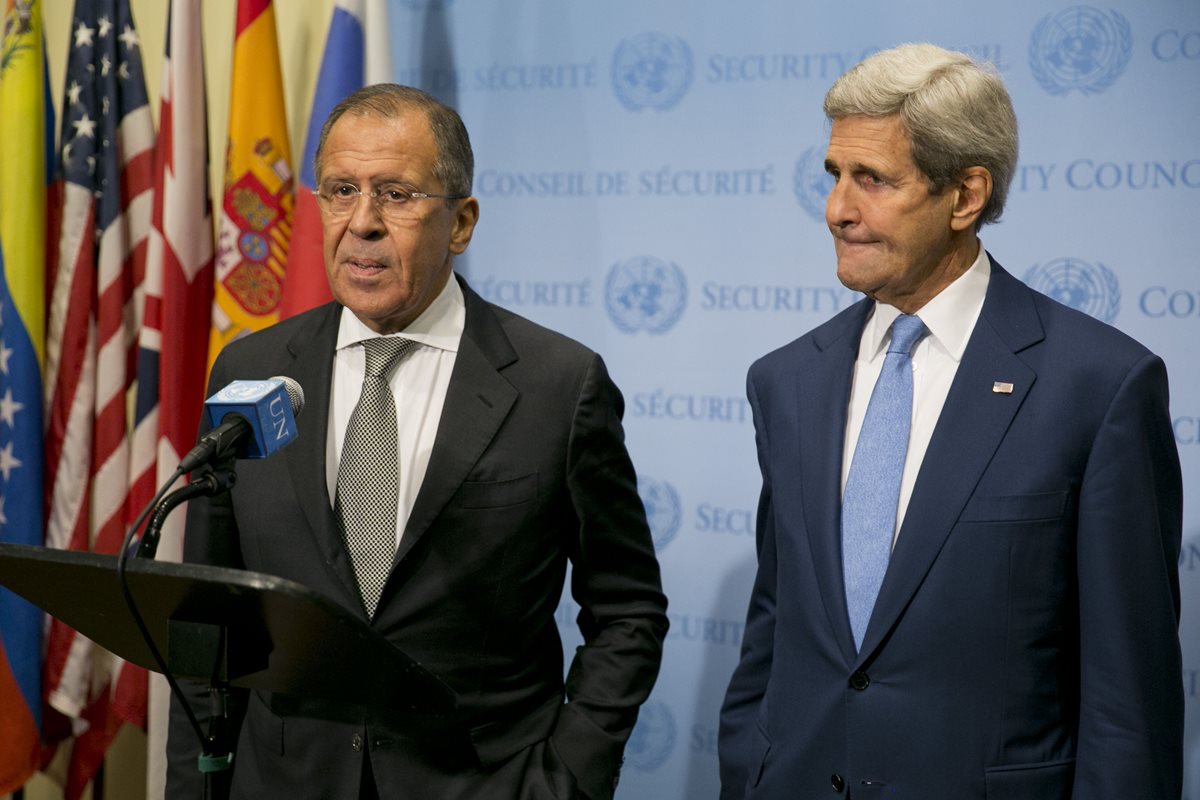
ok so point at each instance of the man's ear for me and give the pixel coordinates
(971, 194)
(465, 216)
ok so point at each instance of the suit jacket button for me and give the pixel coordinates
(859, 681)
(356, 743)
(837, 782)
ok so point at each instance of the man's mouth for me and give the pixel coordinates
(364, 265)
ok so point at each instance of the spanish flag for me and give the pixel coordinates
(23, 159)
(256, 210)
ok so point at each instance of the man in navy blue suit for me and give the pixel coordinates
(978, 596)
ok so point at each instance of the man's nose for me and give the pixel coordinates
(365, 220)
(840, 208)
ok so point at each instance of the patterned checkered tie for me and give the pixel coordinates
(872, 494)
(368, 476)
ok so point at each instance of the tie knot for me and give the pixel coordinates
(907, 330)
(383, 353)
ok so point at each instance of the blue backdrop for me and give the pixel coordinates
(651, 183)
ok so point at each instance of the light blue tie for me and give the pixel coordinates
(872, 492)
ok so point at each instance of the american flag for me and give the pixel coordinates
(179, 290)
(95, 276)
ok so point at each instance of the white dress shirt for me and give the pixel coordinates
(418, 384)
(950, 317)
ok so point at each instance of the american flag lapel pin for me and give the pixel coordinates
(1002, 387)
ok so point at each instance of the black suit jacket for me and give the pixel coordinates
(529, 470)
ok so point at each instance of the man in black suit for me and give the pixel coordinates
(510, 461)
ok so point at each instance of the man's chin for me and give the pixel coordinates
(852, 277)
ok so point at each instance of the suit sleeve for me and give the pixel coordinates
(748, 686)
(210, 537)
(615, 580)
(1130, 526)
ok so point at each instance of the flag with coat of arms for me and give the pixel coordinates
(23, 159)
(255, 224)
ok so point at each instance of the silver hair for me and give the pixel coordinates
(455, 164)
(956, 112)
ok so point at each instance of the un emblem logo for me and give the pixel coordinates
(243, 390)
(651, 70)
(1080, 48)
(653, 737)
(1090, 288)
(663, 511)
(645, 294)
(812, 183)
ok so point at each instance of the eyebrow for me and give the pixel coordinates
(374, 180)
(853, 166)
(858, 167)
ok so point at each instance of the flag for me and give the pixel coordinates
(22, 302)
(96, 269)
(172, 355)
(256, 210)
(352, 59)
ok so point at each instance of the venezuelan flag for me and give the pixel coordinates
(23, 157)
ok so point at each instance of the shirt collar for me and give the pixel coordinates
(441, 325)
(950, 316)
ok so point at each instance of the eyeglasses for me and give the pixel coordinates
(392, 201)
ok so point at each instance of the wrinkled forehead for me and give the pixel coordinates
(378, 113)
(868, 141)
(375, 148)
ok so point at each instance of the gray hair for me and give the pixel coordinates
(455, 164)
(956, 112)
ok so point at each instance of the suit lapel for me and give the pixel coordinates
(823, 393)
(312, 350)
(477, 401)
(971, 427)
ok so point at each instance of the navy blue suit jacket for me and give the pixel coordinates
(1024, 643)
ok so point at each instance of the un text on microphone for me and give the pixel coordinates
(266, 407)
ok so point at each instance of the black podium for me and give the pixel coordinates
(239, 628)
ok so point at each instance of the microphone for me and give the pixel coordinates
(248, 419)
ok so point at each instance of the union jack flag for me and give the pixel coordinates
(179, 289)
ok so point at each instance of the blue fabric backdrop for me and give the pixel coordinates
(650, 180)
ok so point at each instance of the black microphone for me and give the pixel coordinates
(249, 419)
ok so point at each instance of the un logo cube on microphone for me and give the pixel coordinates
(265, 405)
